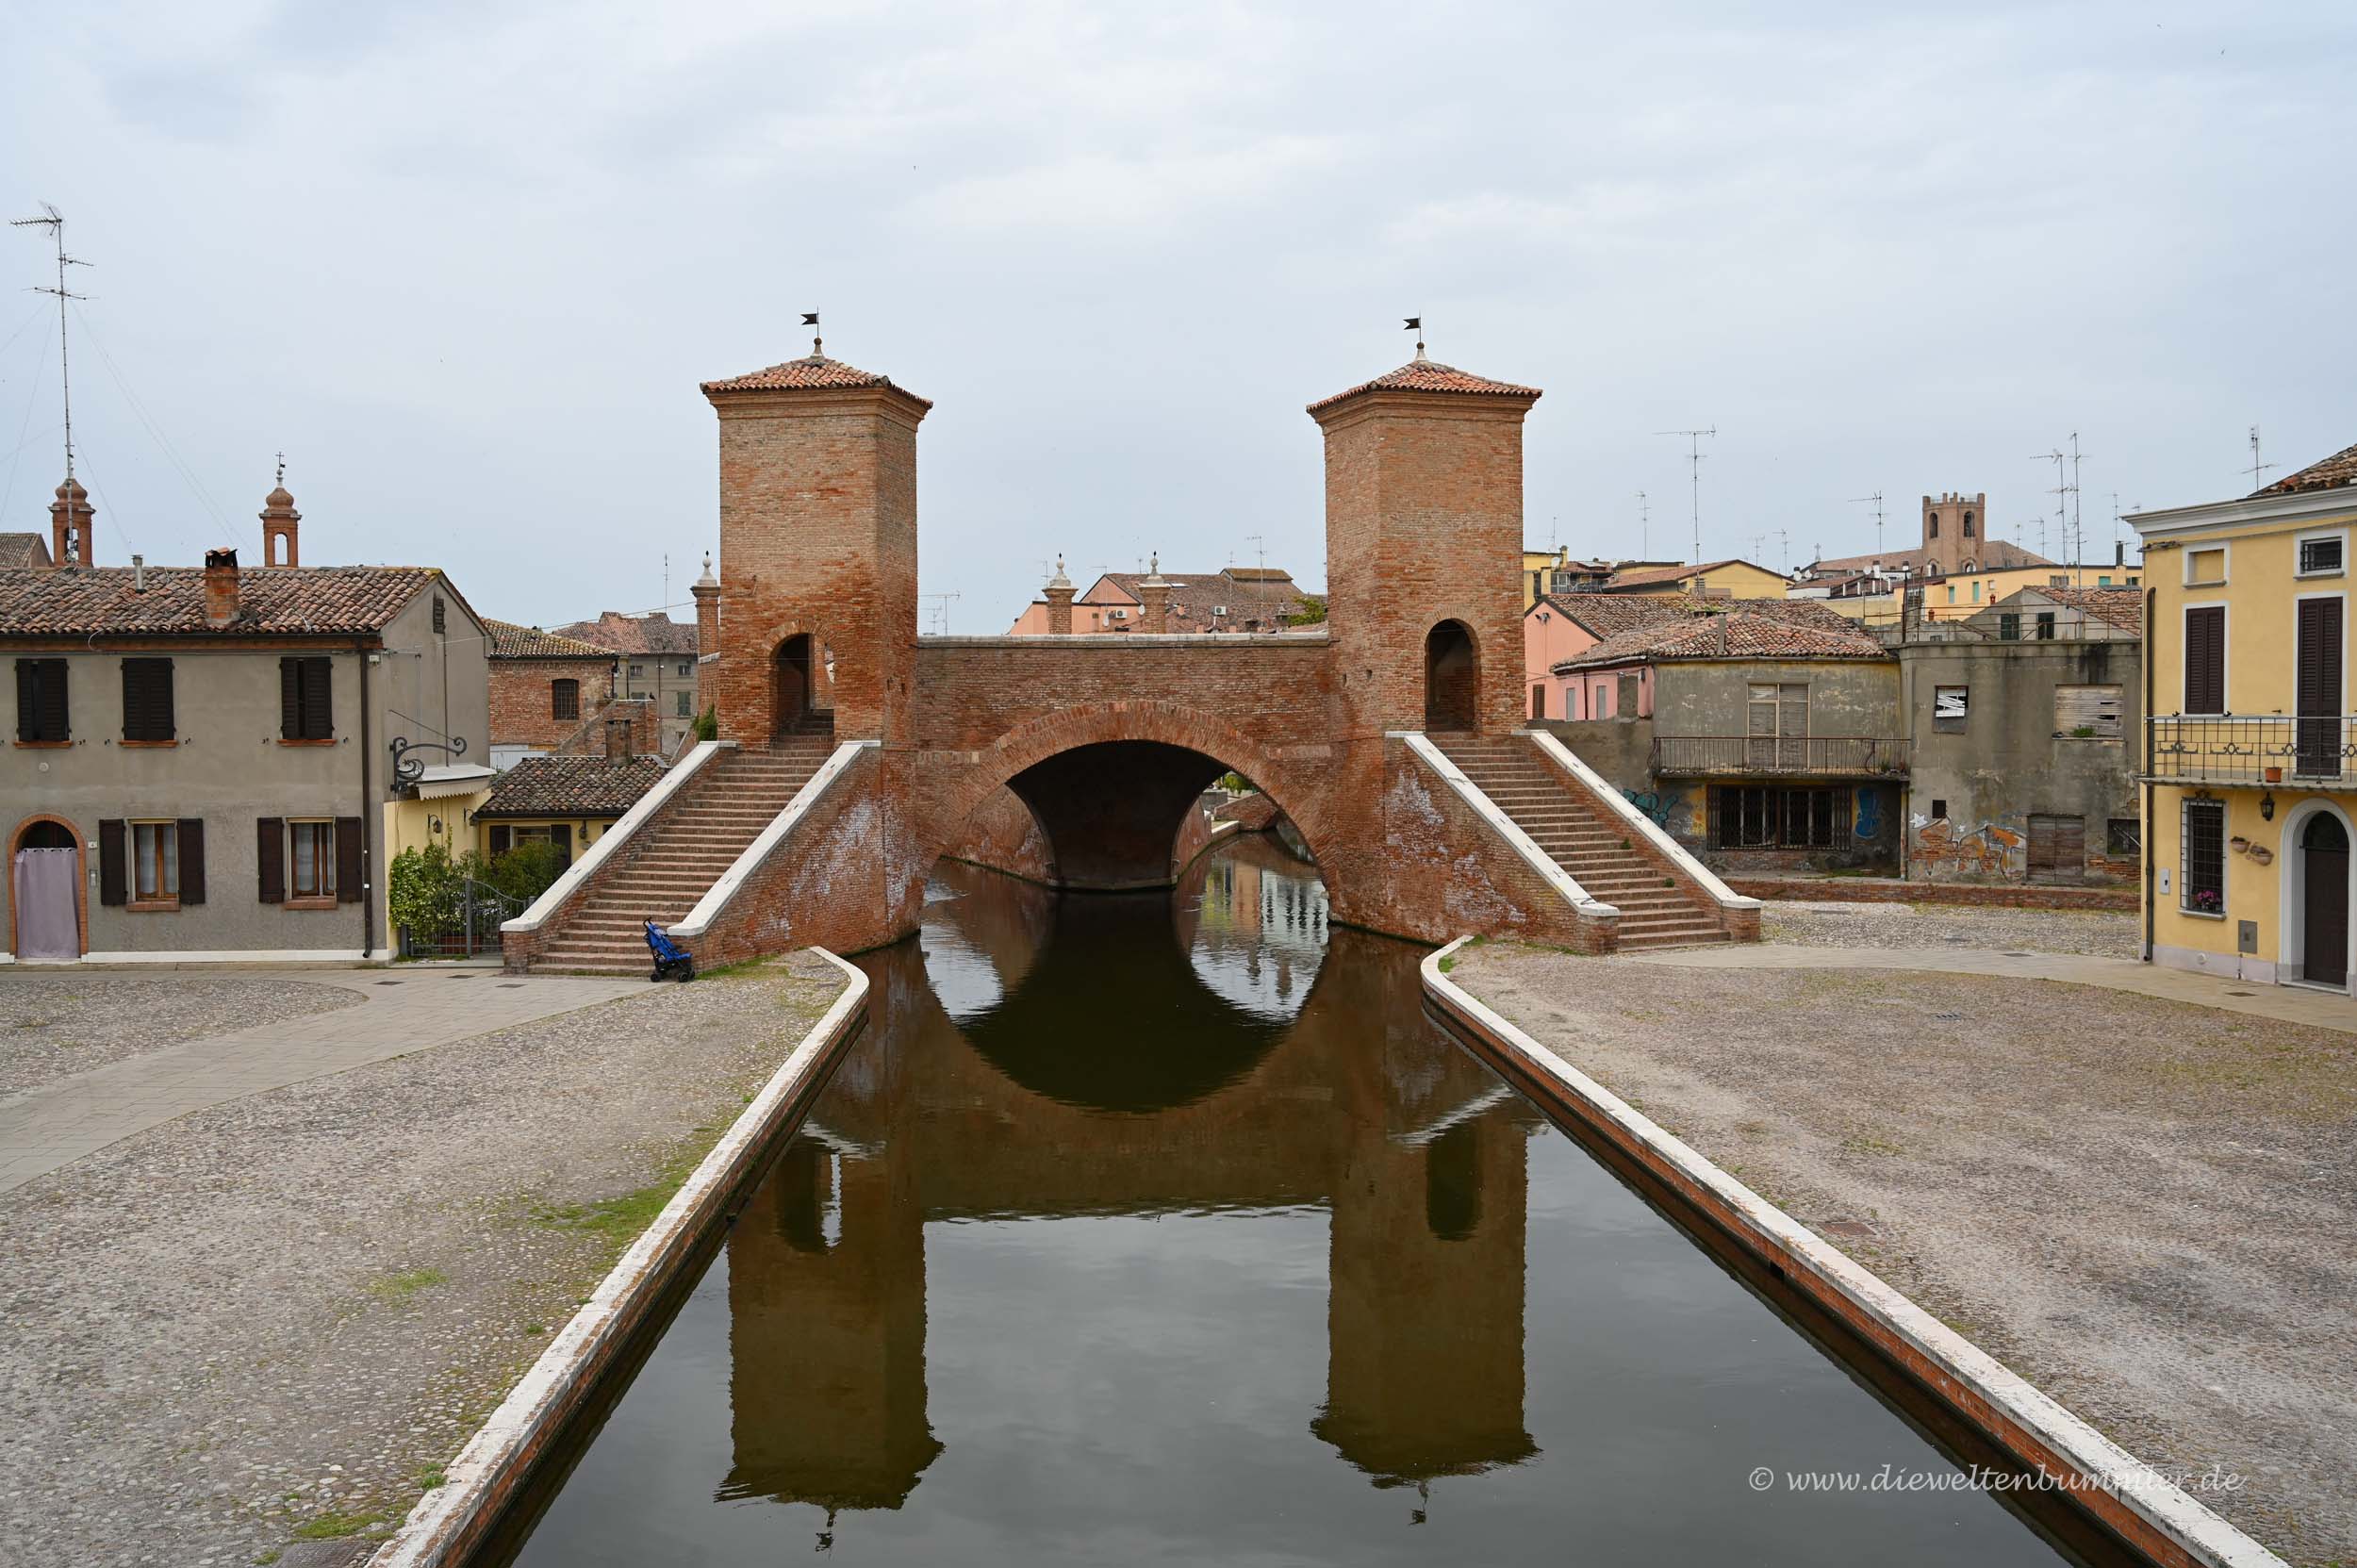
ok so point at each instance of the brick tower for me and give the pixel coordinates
(817, 549)
(1424, 537)
(1954, 527)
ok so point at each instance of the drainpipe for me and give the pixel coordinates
(2149, 878)
(368, 824)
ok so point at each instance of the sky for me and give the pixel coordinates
(466, 264)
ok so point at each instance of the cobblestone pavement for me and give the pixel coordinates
(278, 1314)
(2147, 1208)
(54, 1025)
(2108, 934)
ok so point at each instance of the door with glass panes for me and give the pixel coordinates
(1776, 728)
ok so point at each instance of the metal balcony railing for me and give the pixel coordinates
(2254, 748)
(1794, 756)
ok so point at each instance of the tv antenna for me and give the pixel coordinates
(1877, 499)
(941, 611)
(1644, 527)
(2063, 491)
(1259, 544)
(54, 220)
(1783, 541)
(1694, 465)
(2257, 469)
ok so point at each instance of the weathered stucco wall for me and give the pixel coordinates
(1846, 697)
(2009, 760)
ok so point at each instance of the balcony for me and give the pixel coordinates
(2245, 748)
(1779, 756)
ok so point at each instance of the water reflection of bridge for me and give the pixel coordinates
(1091, 1066)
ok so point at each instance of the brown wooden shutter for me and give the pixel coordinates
(191, 860)
(319, 710)
(2319, 674)
(49, 706)
(147, 699)
(348, 874)
(502, 836)
(2205, 659)
(27, 700)
(561, 834)
(291, 698)
(110, 865)
(270, 859)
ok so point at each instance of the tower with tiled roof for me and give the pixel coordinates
(817, 603)
(1424, 518)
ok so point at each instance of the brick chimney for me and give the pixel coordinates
(1060, 603)
(618, 735)
(707, 592)
(279, 519)
(70, 525)
(220, 587)
(1154, 598)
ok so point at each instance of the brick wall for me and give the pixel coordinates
(1986, 895)
(522, 709)
(1005, 836)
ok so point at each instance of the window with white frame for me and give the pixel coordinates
(2322, 555)
(155, 860)
(311, 858)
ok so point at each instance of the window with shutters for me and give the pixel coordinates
(2205, 567)
(306, 704)
(2322, 555)
(2317, 682)
(2087, 713)
(565, 699)
(2009, 626)
(1776, 725)
(2205, 659)
(147, 701)
(311, 860)
(154, 862)
(40, 706)
(2201, 884)
(686, 703)
(441, 615)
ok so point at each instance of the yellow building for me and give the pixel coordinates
(1712, 579)
(2250, 774)
(1966, 593)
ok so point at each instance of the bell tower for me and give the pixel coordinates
(817, 580)
(1424, 537)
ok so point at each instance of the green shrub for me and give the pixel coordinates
(708, 724)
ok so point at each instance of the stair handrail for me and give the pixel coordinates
(725, 888)
(1704, 877)
(610, 841)
(1506, 826)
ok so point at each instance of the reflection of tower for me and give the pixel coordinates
(827, 1333)
(1425, 1303)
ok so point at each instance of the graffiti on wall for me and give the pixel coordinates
(1649, 804)
(1944, 849)
(1869, 814)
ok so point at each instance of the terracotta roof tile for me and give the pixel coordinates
(813, 373)
(1739, 634)
(1426, 375)
(22, 551)
(2120, 607)
(271, 600)
(1607, 615)
(511, 641)
(572, 786)
(655, 632)
(2336, 470)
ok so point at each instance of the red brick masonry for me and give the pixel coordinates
(1872, 890)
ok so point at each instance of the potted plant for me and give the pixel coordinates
(2272, 775)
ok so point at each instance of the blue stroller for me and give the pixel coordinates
(671, 961)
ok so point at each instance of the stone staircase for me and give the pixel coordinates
(675, 859)
(1659, 908)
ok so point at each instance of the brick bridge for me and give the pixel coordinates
(854, 754)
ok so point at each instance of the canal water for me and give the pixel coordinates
(1169, 1229)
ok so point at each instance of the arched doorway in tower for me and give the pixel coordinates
(790, 685)
(1452, 678)
(45, 893)
(2324, 899)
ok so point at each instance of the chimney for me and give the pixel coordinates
(1060, 603)
(220, 587)
(70, 525)
(617, 734)
(1154, 595)
(707, 592)
(279, 519)
(2120, 552)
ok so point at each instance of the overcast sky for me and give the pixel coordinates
(467, 263)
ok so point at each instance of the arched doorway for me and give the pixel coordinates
(789, 684)
(2324, 899)
(48, 914)
(1452, 678)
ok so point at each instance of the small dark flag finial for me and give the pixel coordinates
(809, 317)
(1415, 325)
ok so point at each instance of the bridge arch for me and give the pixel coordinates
(1048, 761)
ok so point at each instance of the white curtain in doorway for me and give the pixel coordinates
(44, 890)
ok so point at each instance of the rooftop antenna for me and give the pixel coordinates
(941, 611)
(2078, 533)
(1259, 545)
(1877, 499)
(54, 220)
(2257, 469)
(817, 344)
(1644, 527)
(2062, 492)
(1783, 539)
(1415, 325)
(1695, 463)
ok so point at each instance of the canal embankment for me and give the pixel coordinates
(2146, 1209)
(270, 1326)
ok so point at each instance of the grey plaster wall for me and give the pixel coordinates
(2008, 762)
(1846, 697)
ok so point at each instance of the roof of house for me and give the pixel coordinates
(1249, 594)
(655, 633)
(2338, 470)
(1653, 577)
(1604, 615)
(1991, 554)
(271, 600)
(22, 551)
(2120, 607)
(1743, 633)
(572, 786)
(811, 372)
(511, 641)
(1426, 375)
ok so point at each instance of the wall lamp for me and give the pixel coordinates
(2267, 807)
